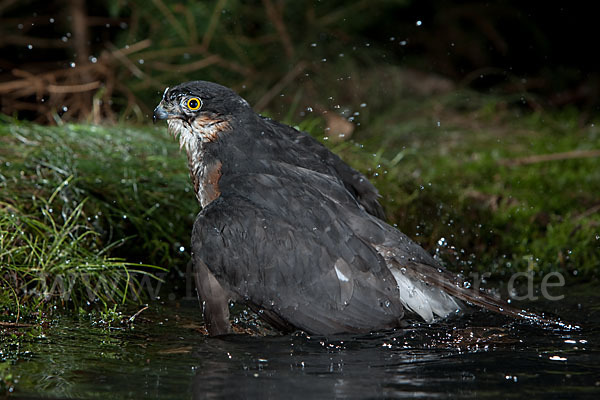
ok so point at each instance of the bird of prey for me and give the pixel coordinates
(292, 231)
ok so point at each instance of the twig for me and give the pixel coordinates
(6, 4)
(84, 87)
(80, 30)
(277, 20)
(588, 212)
(133, 48)
(550, 157)
(286, 80)
(190, 20)
(134, 316)
(171, 18)
(20, 40)
(212, 24)
(14, 325)
(119, 55)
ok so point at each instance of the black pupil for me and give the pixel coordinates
(193, 103)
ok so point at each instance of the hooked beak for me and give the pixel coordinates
(160, 113)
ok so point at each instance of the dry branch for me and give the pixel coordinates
(276, 18)
(569, 155)
(14, 325)
(212, 24)
(81, 92)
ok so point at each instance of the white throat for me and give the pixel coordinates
(183, 131)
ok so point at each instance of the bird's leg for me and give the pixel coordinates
(214, 300)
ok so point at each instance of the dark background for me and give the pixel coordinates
(544, 52)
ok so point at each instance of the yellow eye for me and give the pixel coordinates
(194, 103)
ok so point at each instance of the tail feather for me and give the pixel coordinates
(425, 300)
(454, 286)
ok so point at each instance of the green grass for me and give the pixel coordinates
(80, 207)
(90, 203)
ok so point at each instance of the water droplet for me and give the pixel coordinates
(72, 65)
(363, 105)
(419, 23)
(65, 108)
(557, 358)
(313, 45)
(29, 46)
(181, 248)
(141, 61)
(51, 20)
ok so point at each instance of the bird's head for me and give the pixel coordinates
(199, 111)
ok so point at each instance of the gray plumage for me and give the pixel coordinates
(292, 231)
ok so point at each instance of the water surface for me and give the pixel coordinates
(165, 355)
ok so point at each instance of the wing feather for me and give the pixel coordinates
(268, 243)
(306, 151)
